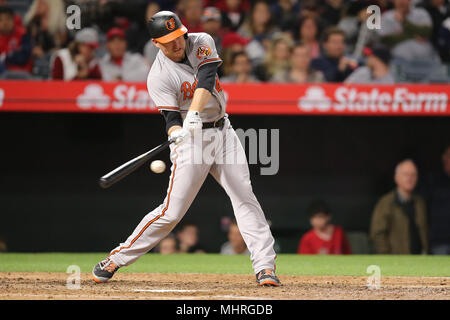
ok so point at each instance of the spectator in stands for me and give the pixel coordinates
(310, 8)
(285, 13)
(407, 30)
(444, 40)
(376, 69)
(241, 70)
(438, 10)
(235, 243)
(308, 33)
(333, 64)
(233, 12)
(168, 245)
(324, 237)
(399, 224)
(437, 196)
(232, 43)
(15, 46)
(300, 70)
(119, 64)
(78, 61)
(212, 25)
(332, 12)
(258, 23)
(187, 237)
(191, 15)
(354, 25)
(150, 50)
(276, 63)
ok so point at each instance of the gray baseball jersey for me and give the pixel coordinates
(171, 85)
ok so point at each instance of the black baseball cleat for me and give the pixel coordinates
(104, 270)
(267, 277)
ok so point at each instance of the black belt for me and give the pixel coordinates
(215, 124)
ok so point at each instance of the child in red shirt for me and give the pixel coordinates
(324, 237)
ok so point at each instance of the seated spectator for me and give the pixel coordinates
(235, 243)
(191, 15)
(437, 196)
(300, 70)
(276, 63)
(233, 12)
(241, 69)
(212, 25)
(285, 13)
(444, 40)
(324, 237)
(307, 33)
(376, 69)
(15, 44)
(332, 11)
(354, 25)
(333, 64)
(168, 245)
(232, 43)
(407, 30)
(150, 50)
(77, 62)
(187, 237)
(399, 224)
(118, 64)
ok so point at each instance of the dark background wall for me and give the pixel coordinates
(50, 164)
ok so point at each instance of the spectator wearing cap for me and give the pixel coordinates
(376, 69)
(212, 25)
(241, 70)
(191, 15)
(407, 30)
(333, 63)
(232, 43)
(78, 61)
(15, 44)
(120, 65)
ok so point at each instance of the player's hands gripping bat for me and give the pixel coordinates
(121, 172)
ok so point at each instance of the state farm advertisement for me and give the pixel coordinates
(314, 99)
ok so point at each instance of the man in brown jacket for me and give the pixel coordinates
(399, 223)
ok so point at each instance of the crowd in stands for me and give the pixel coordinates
(283, 41)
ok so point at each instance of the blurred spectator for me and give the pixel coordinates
(78, 61)
(437, 196)
(300, 70)
(212, 24)
(233, 12)
(324, 237)
(354, 25)
(276, 63)
(241, 69)
(120, 65)
(191, 15)
(444, 40)
(15, 45)
(334, 65)
(438, 10)
(285, 13)
(187, 237)
(332, 12)
(376, 69)
(137, 34)
(168, 245)
(309, 8)
(399, 223)
(150, 50)
(258, 23)
(232, 43)
(307, 33)
(235, 243)
(3, 245)
(407, 30)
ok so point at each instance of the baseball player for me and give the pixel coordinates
(183, 83)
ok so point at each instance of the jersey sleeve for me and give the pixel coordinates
(162, 94)
(205, 51)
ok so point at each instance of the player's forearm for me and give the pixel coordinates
(200, 99)
(173, 128)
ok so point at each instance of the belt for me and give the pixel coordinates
(215, 124)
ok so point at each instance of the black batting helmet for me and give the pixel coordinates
(165, 26)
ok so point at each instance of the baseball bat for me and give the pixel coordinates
(125, 169)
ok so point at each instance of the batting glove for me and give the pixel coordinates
(179, 135)
(192, 121)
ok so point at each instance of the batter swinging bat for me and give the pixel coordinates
(121, 172)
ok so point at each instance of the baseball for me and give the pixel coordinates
(158, 166)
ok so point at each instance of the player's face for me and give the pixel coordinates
(174, 50)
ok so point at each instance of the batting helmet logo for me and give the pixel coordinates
(170, 24)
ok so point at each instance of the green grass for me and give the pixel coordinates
(287, 264)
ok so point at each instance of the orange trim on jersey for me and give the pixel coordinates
(209, 60)
(173, 35)
(156, 218)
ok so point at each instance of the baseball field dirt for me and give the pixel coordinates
(52, 285)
